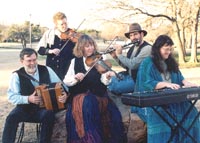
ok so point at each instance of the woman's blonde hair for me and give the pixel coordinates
(59, 16)
(83, 41)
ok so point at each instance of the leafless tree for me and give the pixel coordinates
(180, 15)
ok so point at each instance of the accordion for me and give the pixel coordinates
(50, 94)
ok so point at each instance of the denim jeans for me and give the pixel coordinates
(18, 114)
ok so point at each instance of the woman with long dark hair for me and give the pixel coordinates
(160, 71)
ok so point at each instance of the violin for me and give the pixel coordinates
(101, 65)
(70, 35)
(91, 59)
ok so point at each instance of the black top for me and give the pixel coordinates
(91, 83)
(27, 88)
(60, 63)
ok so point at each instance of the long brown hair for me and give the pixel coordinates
(83, 41)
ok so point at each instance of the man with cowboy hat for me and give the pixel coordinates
(136, 53)
(130, 62)
(139, 50)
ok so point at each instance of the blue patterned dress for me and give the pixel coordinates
(158, 131)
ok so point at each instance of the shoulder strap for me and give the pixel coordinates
(28, 76)
(139, 49)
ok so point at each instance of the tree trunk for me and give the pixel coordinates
(193, 58)
(181, 56)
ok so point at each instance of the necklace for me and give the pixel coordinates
(167, 76)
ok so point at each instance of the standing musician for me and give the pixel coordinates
(91, 117)
(57, 44)
(158, 71)
(21, 92)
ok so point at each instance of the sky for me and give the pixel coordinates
(42, 11)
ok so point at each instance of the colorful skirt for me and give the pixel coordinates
(94, 119)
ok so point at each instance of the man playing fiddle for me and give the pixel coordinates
(56, 47)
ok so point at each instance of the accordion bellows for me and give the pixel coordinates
(50, 94)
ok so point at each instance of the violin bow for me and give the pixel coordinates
(80, 24)
(96, 61)
(108, 47)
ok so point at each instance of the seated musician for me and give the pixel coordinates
(91, 117)
(160, 71)
(132, 60)
(21, 92)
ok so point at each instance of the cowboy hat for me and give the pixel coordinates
(135, 27)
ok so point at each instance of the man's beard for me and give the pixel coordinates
(136, 42)
(31, 69)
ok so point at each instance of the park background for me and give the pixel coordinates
(25, 21)
(10, 62)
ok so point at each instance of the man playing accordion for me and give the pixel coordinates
(22, 93)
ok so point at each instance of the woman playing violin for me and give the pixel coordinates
(57, 45)
(91, 117)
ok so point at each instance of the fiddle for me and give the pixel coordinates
(70, 35)
(101, 65)
(91, 59)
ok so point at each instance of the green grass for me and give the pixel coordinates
(188, 64)
(41, 57)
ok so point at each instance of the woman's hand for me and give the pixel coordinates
(162, 85)
(188, 84)
(79, 76)
(172, 85)
(109, 74)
